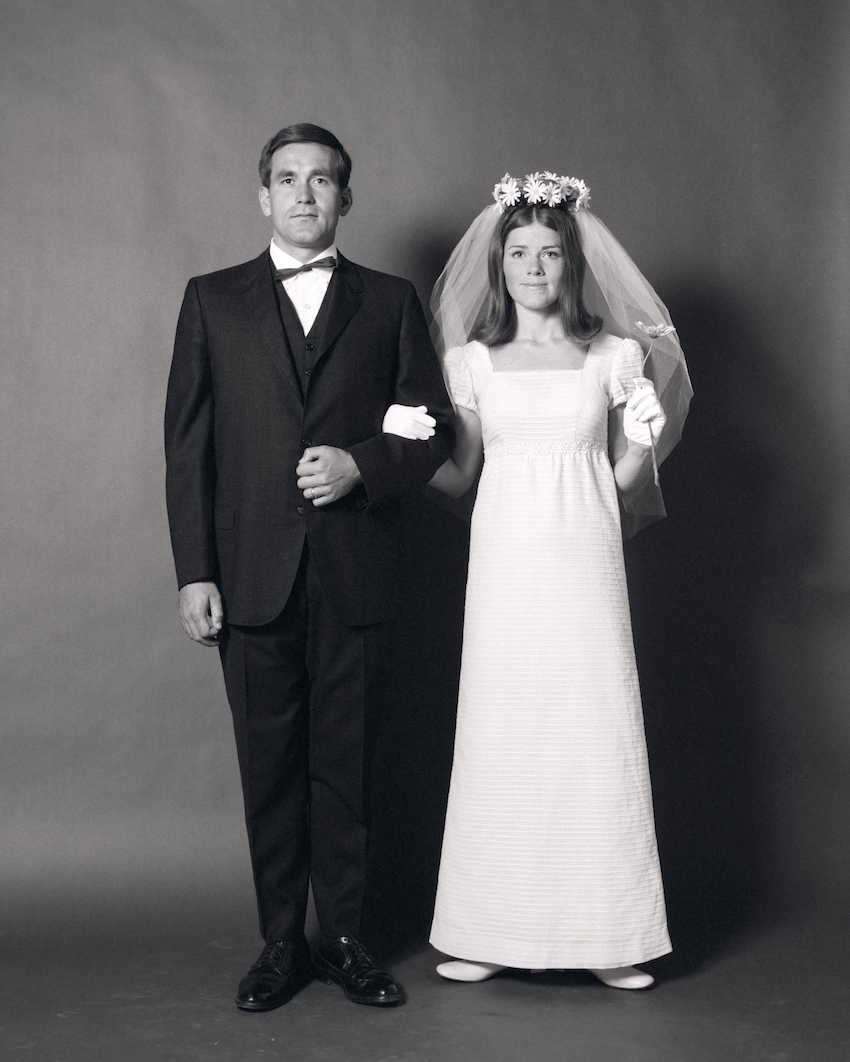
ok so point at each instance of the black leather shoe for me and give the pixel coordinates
(345, 962)
(281, 970)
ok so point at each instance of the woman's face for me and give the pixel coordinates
(534, 265)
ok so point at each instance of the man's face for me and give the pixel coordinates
(303, 199)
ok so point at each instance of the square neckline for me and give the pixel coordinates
(531, 372)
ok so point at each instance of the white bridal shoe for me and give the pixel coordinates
(624, 977)
(617, 977)
(461, 970)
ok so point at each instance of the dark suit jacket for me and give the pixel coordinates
(237, 421)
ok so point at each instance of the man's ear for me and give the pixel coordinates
(346, 200)
(265, 205)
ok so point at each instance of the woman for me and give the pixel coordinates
(549, 857)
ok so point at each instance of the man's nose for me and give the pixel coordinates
(305, 192)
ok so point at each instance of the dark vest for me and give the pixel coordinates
(303, 348)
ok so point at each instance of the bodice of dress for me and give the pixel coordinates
(545, 411)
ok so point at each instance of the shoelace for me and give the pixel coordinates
(361, 965)
(273, 953)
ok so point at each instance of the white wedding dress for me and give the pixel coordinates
(549, 856)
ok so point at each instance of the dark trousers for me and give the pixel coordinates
(304, 691)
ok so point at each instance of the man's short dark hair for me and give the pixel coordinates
(305, 133)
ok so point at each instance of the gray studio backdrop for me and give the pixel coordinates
(709, 132)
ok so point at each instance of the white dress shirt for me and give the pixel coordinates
(305, 290)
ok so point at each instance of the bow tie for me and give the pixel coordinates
(322, 263)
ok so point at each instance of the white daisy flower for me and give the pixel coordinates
(553, 195)
(507, 192)
(655, 331)
(583, 196)
(511, 190)
(534, 188)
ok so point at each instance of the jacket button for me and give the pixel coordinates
(310, 346)
(299, 509)
(306, 442)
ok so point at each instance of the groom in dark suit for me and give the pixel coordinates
(283, 505)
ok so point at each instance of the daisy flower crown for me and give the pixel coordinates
(542, 189)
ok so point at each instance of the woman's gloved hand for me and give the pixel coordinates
(410, 422)
(643, 414)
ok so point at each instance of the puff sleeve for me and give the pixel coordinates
(459, 378)
(626, 365)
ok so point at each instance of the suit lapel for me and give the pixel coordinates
(262, 302)
(345, 300)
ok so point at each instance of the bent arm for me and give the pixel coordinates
(387, 463)
(457, 475)
(631, 461)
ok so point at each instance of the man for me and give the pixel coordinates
(282, 500)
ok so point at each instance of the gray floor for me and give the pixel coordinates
(158, 986)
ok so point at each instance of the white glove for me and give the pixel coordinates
(643, 417)
(410, 422)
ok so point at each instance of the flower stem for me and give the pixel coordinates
(651, 436)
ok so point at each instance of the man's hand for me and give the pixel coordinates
(201, 612)
(326, 474)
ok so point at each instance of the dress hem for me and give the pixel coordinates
(551, 960)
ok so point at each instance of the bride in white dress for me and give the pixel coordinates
(549, 856)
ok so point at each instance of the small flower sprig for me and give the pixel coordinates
(542, 189)
(654, 332)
